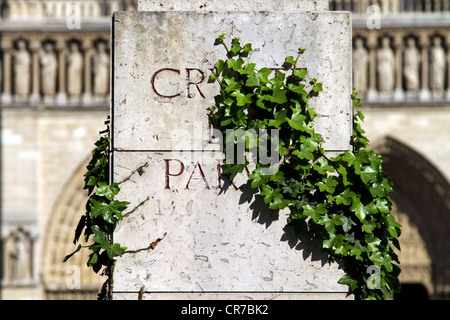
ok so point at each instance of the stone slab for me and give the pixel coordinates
(233, 296)
(188, 230)
(232, 5)
(164, 58)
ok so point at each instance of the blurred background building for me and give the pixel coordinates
(54, 99)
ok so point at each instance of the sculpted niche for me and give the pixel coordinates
(437, 66)
(21, 69)
(360, 66)
(49, 66)
(17, 248)
(74, 71)
(411, 63)
(385, 67)
(101, 71)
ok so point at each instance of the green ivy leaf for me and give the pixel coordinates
(368, 226)
(345, 197)
(322, 166)
(316, 212)
(359, 209)
(347, 223)
(115, 250)
(297, 120)
(393, 226)
(301, 73)
(280, 118)
(253, 81)
(346, 279)
(93, 259)
(372, 242)
(242, 99)
(263, 75)
(70, 255)
(100, 236)
(383, 205)
(109, 191)
(258, 178)
(368, 174)
(328, 185)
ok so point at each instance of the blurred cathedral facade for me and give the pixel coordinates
(54, 99)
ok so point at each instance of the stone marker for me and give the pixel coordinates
(232, 5)
(190, 233)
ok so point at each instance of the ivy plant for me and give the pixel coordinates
(341, 200)
(102, 214)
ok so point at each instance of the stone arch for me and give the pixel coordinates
(72, 279)
(421, 200)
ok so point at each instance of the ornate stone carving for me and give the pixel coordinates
(21, 68)
(385, 67)
(437, 66)
(411, 63)
(18, 257)
(360, 66)
(49, 68)
(101, 71)
(74, 71)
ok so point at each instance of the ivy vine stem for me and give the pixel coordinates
(102, 214)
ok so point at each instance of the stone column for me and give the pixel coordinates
(447, 43)
(372, 45)
(437, 5)
(6, 74)
(398, 46)
(409, 6)
(61, 97)
(88, 53)
(425, 94)
(35, 47)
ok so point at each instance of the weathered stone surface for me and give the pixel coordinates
(207, 235)
(164, 59)
(189, 232)
(234, 5)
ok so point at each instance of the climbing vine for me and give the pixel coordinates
(102, 214)
(342, 200)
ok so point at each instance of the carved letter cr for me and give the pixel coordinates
(153, 82)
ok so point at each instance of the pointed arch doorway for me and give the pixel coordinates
(71, 280)
(421, 201)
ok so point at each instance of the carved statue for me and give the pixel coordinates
(360, 63)
(19, 256)
(49, 65)
(385, 66)
(437, 66)
(22, 62)
(411, 61)
(74, 71)
(101, 71)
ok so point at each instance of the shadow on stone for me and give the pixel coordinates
(304, 241)
(260, 211)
